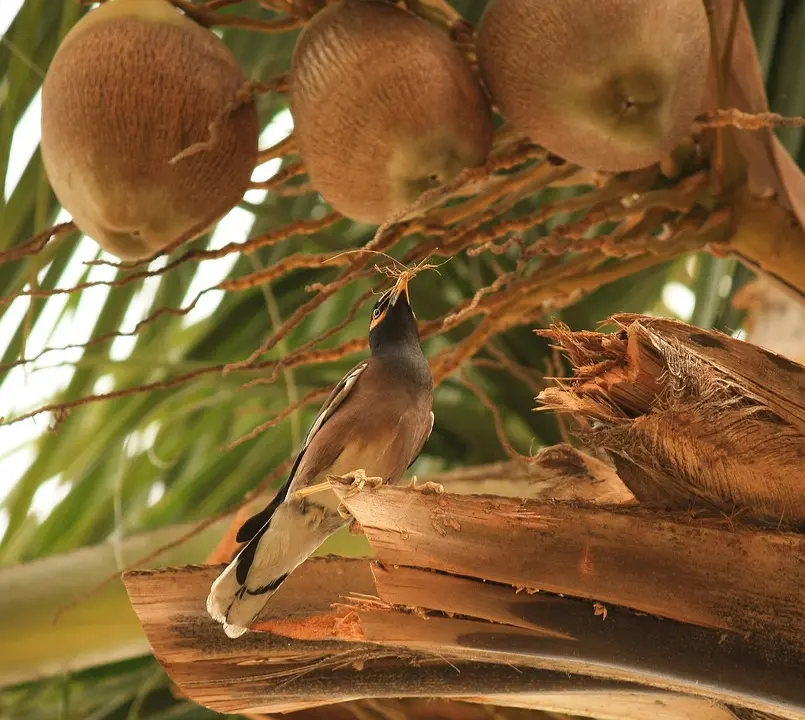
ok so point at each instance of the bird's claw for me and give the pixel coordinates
(359, 482)
(429, 487)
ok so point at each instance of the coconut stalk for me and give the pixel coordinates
(690, 416)
(174, 599)
(614, 706)
(629, 556)
(732, 629)
(432, 709)
(305, 653)
(98, 626)
(601, 641)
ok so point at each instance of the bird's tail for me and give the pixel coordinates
(292, 534)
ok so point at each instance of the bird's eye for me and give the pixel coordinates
(377, 312)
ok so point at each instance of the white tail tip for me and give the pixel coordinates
(234, 631)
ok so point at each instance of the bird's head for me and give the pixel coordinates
(393, 320)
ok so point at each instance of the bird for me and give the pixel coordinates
(377, 419)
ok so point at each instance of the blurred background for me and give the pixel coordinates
(85, 492)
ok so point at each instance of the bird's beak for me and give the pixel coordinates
(400, 289)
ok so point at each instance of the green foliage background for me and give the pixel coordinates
(109, 490)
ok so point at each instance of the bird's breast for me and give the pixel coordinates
(380, 452)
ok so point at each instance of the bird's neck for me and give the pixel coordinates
(407, 362)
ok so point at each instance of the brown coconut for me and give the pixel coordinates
(132, 85)
(384, 107)
(607, 84)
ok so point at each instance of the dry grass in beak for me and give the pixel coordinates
(399, 272)
(403, 275)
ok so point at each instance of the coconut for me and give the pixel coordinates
(607, 84)
(134, 84)
(384, 107)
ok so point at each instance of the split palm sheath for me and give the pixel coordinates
(377, 419)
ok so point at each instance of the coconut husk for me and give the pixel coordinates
(691, 417)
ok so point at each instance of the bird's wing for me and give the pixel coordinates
(425, 439)
(337, 396)
(254, 524)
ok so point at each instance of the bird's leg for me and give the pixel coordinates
(429, 487)
(304, 492)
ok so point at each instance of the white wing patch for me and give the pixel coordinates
(338, 396)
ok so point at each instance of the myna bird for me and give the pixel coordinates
(377, 419)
